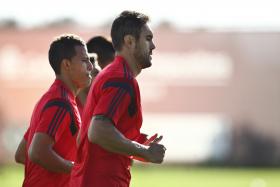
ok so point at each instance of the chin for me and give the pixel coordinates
(86, 84)
(147, 65)
(89, 82)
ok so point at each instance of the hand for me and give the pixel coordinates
(155, 153)
(157, 140)
(153, 139)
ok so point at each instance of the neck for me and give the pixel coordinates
(75, 90)
(82, 95)
(131, 61)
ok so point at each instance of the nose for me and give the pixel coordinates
(153, 46)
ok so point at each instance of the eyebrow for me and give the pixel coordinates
(85, 58)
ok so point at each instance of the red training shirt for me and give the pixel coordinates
(114, 94)
(56, 114)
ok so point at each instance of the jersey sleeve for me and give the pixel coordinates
(115, 99)
(26, 134)
(142, 138)
(54, 116)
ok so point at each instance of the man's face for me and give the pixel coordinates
(81, 67)
(94, 70)
(144, 47)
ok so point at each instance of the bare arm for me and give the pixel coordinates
(20, 152)
(42, 153)
(103, 132)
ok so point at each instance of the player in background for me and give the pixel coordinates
(103, 48)
(104, 55)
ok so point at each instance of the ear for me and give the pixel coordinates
(65, 65)
(129, 41)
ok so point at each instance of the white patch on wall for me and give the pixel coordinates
(191, 138)
(190, 68)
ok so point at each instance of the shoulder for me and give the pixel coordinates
(58, 91)
(56, 97)
(58, 102)
(108, 75)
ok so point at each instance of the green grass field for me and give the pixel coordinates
(167, 176)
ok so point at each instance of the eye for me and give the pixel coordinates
(86, 60)
(149, 38)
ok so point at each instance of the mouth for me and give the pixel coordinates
(89, 76)
(94, 73)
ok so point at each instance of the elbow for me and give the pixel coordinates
(19, 159)
(20, 152)
(101, 132)
(92, 137)
(33, 155)
(95, 135)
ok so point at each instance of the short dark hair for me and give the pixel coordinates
(103, 48)
(127, 23)
(63, 47)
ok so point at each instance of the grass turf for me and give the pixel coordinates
(171, 176)
(205, 177)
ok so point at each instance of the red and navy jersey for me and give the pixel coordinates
(80, 106)
(114, 94)
(56, 114)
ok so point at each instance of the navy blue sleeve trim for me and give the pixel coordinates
(124, 86)
(64, 107)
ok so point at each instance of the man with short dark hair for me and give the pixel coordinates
(82, 96)
(50, 141)
(112, 115)
(103, 48)
(103, 53)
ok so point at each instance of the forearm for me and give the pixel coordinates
(142, 138)
(104, 133)
(41, 152)
(20, 160)
(118, 144)
(51, 161)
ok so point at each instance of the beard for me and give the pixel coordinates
(143, 59)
